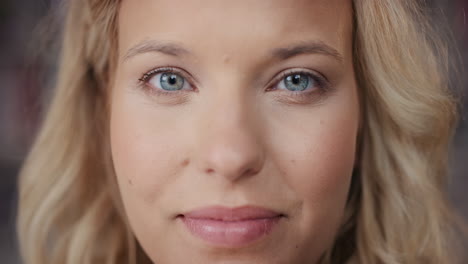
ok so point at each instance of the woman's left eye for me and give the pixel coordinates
(298, 82)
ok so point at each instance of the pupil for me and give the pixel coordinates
(296, 79)
(173, 79)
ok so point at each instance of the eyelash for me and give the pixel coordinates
(319, 79)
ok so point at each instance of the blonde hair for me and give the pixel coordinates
(69, 205)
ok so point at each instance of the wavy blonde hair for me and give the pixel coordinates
(69, 205)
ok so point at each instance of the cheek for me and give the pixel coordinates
(316, 162)
(144, 154)
(322, 161)
(141, 159)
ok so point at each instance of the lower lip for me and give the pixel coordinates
(230, 233)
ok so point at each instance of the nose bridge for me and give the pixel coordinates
(229, 144)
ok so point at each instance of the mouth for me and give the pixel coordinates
(231, 227)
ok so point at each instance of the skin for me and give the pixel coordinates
(229, 140)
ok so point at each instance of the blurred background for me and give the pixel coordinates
(26, 78)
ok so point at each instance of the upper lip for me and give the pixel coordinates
(222, 213)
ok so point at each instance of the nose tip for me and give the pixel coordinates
(234, 161)
(231, 150)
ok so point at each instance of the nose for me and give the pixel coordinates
(228, 142)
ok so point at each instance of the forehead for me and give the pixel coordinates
(236, 27)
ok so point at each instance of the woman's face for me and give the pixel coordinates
(233, 127)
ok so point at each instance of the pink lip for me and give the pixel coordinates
(231, 227)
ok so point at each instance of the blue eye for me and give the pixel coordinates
(297, 82)
(168, 81)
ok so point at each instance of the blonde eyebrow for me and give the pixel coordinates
(151, 46)
(314, 47)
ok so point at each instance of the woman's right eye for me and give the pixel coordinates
(165, 81)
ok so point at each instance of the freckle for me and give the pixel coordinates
(293, 161)
(130, 182)
(226, 59)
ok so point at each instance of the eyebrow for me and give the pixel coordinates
(314, 47)
(173, 49)
(149, 46)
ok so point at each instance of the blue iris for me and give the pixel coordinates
(296, 82)
(171, 81)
